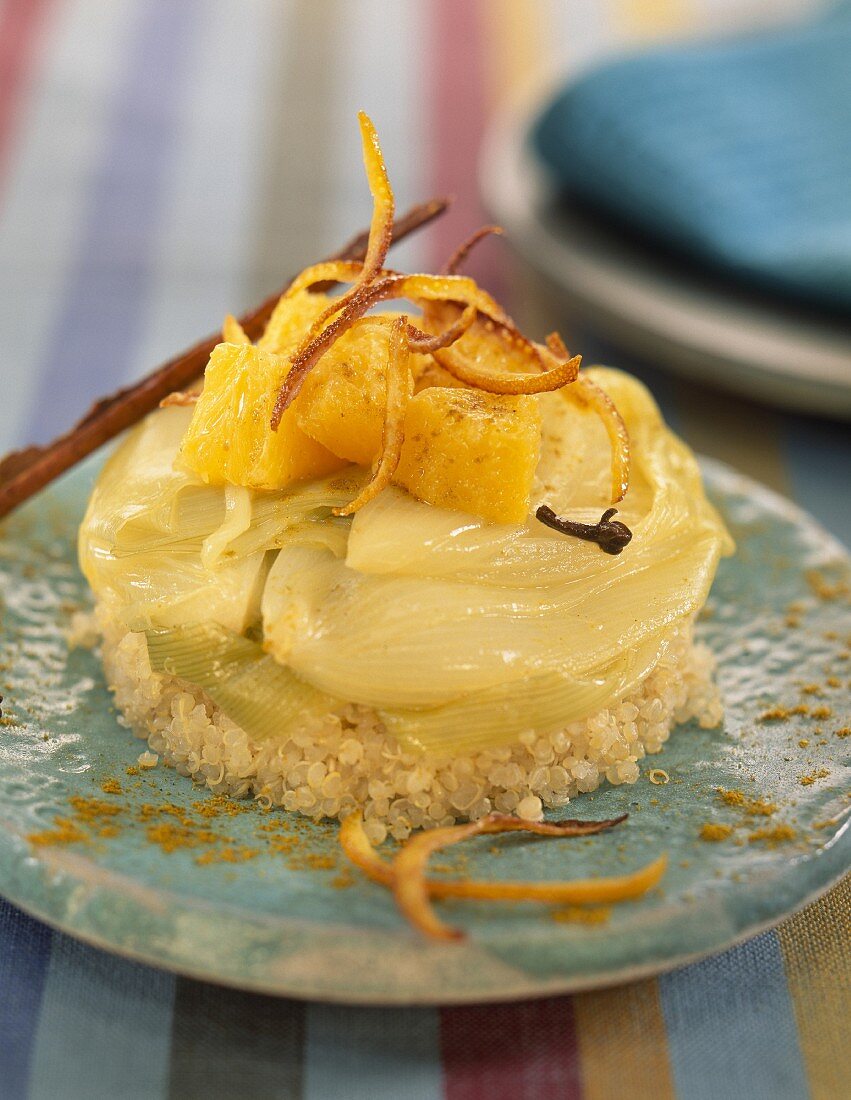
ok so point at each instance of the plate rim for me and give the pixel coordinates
(514, 187)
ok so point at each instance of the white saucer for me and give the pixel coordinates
(686, 321)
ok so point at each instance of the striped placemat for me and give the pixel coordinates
(165, 161)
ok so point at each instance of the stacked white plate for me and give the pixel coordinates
(692, 322)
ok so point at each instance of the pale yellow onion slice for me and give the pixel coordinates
(254, 691)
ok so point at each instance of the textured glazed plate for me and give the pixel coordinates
(683, 318)
(261, 901)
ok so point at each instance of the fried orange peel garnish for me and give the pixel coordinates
(398, 377)
(413, 890)
(460, 366)
(452, 306)
(463, 250)
(355, 302)
(426, 343)
(180, 399)
(588, 394)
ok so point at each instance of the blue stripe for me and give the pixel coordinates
(731, 1026)
(818, 455)
(25, 947)
(105, 1027)
(102, 317)
(372, 1053)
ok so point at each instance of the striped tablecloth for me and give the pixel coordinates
(165, 161)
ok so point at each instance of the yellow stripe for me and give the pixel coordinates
(518, 46)
(816, 948)
(622, 1043)
(652, 18)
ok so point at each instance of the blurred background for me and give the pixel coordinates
(163, 162)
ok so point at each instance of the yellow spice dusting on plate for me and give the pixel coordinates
(779, 834)
(63, 832)
(808, 780)
(578, 914)
(756, 807)
(778, 713)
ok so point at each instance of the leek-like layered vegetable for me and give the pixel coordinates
(255, 691)
(460, 633)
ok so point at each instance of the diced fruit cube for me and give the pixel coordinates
(430, 373)
(291, 320)
(229, 438)
(342, 402)
(472, 451)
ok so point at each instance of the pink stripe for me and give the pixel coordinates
(20, 24)
(524, 1051)
(460, 110)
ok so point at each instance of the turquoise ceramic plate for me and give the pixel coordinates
(291, 921)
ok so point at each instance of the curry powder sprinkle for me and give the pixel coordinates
(779, 834)
(755, 807)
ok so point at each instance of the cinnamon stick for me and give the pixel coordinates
(23, 473)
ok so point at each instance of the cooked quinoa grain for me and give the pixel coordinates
(348, 760)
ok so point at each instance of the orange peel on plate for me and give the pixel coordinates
(413, 890)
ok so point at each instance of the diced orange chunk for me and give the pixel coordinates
(291, 320)
(471, 451)
(229, 438)
(342, 403)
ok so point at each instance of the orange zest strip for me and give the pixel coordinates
(447, 288)
(426, 343)
(233, 332)
(592, 891)
(381, 228)
(463, 251)
(588, 394)
(460, 366)
(409, 884)
(179, 399)
(356, 305)
(358, 299)
(596, 398)
(398, 380)
(337, 271)
(357, 848)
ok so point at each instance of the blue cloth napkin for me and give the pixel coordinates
(738, 153)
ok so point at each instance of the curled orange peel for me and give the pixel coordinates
(416, 890)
